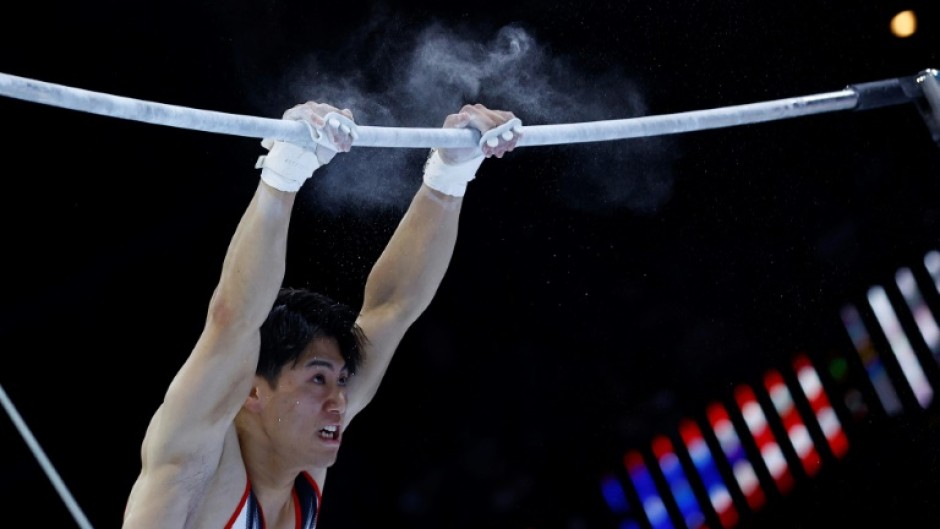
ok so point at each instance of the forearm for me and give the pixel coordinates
(254, 264)
(255, 261)
(412, 266)
(406, 276)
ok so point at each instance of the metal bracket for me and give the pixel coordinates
(929, 106)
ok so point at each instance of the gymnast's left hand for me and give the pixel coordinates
(500, 132)
(334, 130)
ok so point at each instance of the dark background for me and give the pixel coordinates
(598, 293)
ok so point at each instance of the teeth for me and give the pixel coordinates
(329, 432)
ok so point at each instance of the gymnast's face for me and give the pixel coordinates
(305, 413)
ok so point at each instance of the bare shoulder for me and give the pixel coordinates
(188, 493)
(194, 426)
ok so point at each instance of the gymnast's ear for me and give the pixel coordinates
(255, 401)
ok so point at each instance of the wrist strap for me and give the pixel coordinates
(450, 179)
(287, 166)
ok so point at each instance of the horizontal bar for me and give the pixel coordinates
(885, 93)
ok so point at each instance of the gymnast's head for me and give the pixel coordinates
(299, 318)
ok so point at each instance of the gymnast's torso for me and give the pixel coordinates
(306, 503)
(218, 496)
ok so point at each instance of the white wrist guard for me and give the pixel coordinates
(450, 179)
(287, 166)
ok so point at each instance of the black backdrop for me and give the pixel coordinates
(598, 293)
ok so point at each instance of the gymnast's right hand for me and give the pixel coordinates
(287, 165)
(450, 170)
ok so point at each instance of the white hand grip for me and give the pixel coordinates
(504, 131)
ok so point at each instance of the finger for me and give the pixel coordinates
(502, 133)
(458, 120)
(345, 128)
(341, 140)
(307, 113)
(336, 132)
(341, 129)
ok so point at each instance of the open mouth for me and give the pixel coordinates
(329, 433)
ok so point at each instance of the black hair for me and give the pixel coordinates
(300, 316)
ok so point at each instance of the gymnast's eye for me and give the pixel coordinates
(318, 379)
(343, 380)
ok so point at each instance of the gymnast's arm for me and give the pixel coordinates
(185, 437)
(406, 275)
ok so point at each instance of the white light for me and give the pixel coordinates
(829, 422)
(744, 473)
(753, 416)
(801, 440)
(720, 498)
(776, 462)
(810, 382)
(903, 351)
